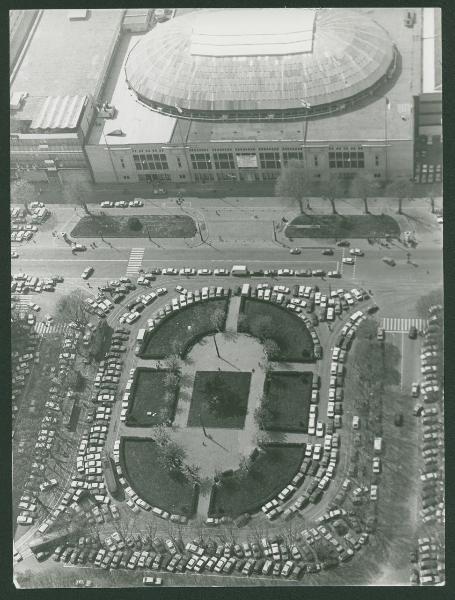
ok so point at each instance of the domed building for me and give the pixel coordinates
(233, 95)
(259, 64)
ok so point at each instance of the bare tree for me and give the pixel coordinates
(271, 348)
(78, 192)
(293, 183)
(362, 187)
(22, 192)
(172, 457)
(173, 363)
(217, 319)
(400, 189)
(330, 191)
(73, 308)
(171, 381)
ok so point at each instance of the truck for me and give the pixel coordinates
(377, 445)
(239, 271)
(140, 335)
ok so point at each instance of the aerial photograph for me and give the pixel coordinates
(227, 306)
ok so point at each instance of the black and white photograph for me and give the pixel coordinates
(227, 303)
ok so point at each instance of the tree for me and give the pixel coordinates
(330, 191)
(134, 224)
(271, 348)
(293, 183)
(363, 188)
(22, 192)
(423, 304)
(73, 308)
(161, 435)
(77, 192)
(173, 363)
(193, 473)
(217, 319)
(171, 381)
(400, 189)
(172, 457)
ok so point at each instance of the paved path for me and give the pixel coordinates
(233, 314)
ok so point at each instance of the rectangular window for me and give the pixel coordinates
(348, 159)
(316, 161)
(376, 161)
(224, 160)
(179, 163)
(288, 156)
(270, 160)
(201, 161)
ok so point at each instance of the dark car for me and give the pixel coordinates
(343, 243)
(327, 252)
(412, 332)
(372, 309)
(398, 420)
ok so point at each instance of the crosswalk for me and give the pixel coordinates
(43, 329)
(401, 325)
(135, 261)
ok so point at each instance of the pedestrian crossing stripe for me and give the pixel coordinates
(23, 299)
(43, 329)
(401, 325)
(135, 261)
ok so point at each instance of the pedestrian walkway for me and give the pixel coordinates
(233, 314)
(135, 261)
(402, 325)
(44, 329)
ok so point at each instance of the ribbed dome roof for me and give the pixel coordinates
(259, 59)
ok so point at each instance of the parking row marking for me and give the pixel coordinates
(402, 325)
(135, 261)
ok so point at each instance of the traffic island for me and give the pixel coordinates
(343, 226)
(135, 226)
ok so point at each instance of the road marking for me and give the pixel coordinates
(135, 261)
(23, 300)
(402, 325)
(354, 267)
(43, 329)
(402, 361)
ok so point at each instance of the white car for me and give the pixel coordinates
(14, 254)
(356, 252)
(87, 272)
(187, 271)
(284, 272)
(376, 465)
(221, 271)
(373, 492)
(181, 290)
(347, 260)
(281, 288)
(204, 271)
(107, 204)
(319, 429)
(169, 271)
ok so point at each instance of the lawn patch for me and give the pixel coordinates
(172, 335)
(343, 226)
(220, 399)
(154, 226)
(288, 397)
(284, 327)
(154, 484)
(268, 474)
(150, 394)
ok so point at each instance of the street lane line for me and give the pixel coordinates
(402, 360)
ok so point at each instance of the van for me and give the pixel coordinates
(355, 422)
(246, 289)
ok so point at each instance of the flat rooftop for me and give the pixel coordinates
(364, 123)
(67, 57)
(139, 125)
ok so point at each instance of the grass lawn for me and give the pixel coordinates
(155, 226)
(269, 474)
(152, 483)
(149, 395)
(288, 331)
(173, 331)
(232, 391)
(342, 226)
(290, 396)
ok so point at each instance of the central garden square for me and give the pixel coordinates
(153, 398)
(286, 401)
(220, 399)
